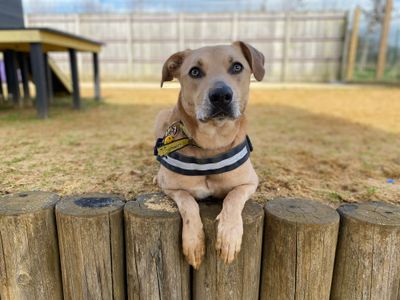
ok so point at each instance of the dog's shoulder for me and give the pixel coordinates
(163, 120)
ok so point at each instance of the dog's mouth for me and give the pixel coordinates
(218, 115)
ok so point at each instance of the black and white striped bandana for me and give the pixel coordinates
(221, 163)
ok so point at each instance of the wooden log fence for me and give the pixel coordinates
(369, 250)
(240, 279)
(299, 242)
(91, 242)
(155, 265)
(96, 246)
(29, 259)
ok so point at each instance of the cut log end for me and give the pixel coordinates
(241, 278)
(89, 205)
(378, 213)
(153, 205)
(26, 202)
(299, 249)
(367, 257)
(301, 211)
(90, 235)
(156, 268)
(29, 267)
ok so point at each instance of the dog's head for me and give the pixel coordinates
(215, 80)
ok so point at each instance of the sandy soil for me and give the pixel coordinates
(333, 145)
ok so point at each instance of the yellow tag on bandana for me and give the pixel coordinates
(173, 146)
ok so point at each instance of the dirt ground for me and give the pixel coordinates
(330, 144)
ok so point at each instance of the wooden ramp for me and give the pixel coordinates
(39, 42)
(61, 82)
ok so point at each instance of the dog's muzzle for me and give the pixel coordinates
(220, 97)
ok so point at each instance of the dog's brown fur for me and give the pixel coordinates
(214, 136)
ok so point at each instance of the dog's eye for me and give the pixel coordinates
(195, 72)
(236, 68)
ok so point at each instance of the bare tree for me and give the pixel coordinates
(375, 18)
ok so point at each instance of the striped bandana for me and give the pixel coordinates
(221, 163)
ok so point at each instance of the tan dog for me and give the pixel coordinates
(212, 101)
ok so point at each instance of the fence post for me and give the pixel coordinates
(345, 48)
(353, 44)
(241, 278)
(29, 260)
(235, 17)
(181, 32)
(91, 242)
(380, 68)
(299, 249)
(129, 45)
(156, 268)
(77, 23)
(286, 46)
(368, 257)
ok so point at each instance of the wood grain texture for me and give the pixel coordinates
(29, 259)
(383, 43)
(368, 255)
(240, 279)
(91, 241)
(139, 43)
(155, 264)
(352, 56)
(299, 249)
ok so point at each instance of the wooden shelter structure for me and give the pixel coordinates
(27, 49)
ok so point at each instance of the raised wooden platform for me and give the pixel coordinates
(19, 39)
(38, 42)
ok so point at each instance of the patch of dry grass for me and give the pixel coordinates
(329, 144)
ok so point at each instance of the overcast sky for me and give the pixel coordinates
(66, 6)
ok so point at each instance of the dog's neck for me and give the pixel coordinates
(214, 134)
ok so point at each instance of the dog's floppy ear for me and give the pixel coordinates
(172, 65)
(254, 57)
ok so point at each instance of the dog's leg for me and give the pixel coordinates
(230, 225)
(193, 242)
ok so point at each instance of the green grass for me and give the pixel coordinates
(369, 75)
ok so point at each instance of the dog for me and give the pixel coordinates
(202, 143)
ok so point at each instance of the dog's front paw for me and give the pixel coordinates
(229, 237)
(193, 243)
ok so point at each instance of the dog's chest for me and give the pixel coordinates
(209, 187)
(201, 192)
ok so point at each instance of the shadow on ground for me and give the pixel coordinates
(108, 148)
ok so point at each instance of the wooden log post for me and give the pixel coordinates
(29, 260)
(11, 68)
(24, 67)
(353, 44)
(1, 91)
(96, 76)
(240, 279)
(155, 264)
(299, 249)
(76, 94)
(368, 254)
(39, 78)
(90, 233)
(383, 43)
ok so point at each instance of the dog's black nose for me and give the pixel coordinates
(220, 95)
